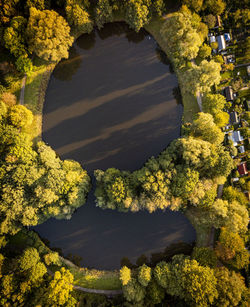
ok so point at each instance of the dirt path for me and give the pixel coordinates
(109, 293)
(21, 99)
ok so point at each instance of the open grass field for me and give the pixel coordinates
(95, 279)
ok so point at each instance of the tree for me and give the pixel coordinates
(14, 37)
(48, 35)
(204, 127)
(188, 280)
(158, 7)
(230, 287)
(103, 13)
(199, 284)
(136, 14)
(29, 259)
(78, 17)
(203, 77)
(221, 119)
(3, 110)
(205, 256)
(144, 275)
(181, 35)
(20, 116)
(125, 275)
(210, 20)
(58, 291)
(35, 183)
(8, 99)
(134, 292)
(218, 58)
(204, 51)
(184, 183)
(230, 193)
(38, 4)
(8, 9)
(24, 64)
(212, 103)
(195, 5)
(51, 258)
(231, 250)
(154, 293)
(216, 7)
(168, 276)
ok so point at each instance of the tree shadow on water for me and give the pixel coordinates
(66, 69)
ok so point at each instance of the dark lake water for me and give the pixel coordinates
(112, 104)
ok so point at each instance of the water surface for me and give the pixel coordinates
(112, 104)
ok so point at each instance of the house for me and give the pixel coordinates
(242, 169)
(229, 93)
(234, 119)
(212, 39)
(241, 149)
(227, 37)
(235, 137)
(221, 42)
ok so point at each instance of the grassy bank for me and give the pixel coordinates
(96, 279)
(34, 94)
(202, 231)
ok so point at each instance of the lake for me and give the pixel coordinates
(113, 103)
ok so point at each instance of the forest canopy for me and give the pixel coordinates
(36, 183)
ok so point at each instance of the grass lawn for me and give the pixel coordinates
(35, 89)
(95, 279)
(202, 231)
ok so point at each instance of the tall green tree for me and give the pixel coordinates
(136, 14)
(8, 9)
(48, 35)
(103, 13)
(14, 37)
(230, 287)
(78, 17)
(202, 77)
(204, 127)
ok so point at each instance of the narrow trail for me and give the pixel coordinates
(21, 98)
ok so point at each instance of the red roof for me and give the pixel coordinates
(242, 169)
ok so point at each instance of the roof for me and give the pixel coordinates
(212, 39)
(221, 42)
(234, 118)
(227, 37)
(235, 137)
(242, 169)
(241, 149)
(229, 93)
